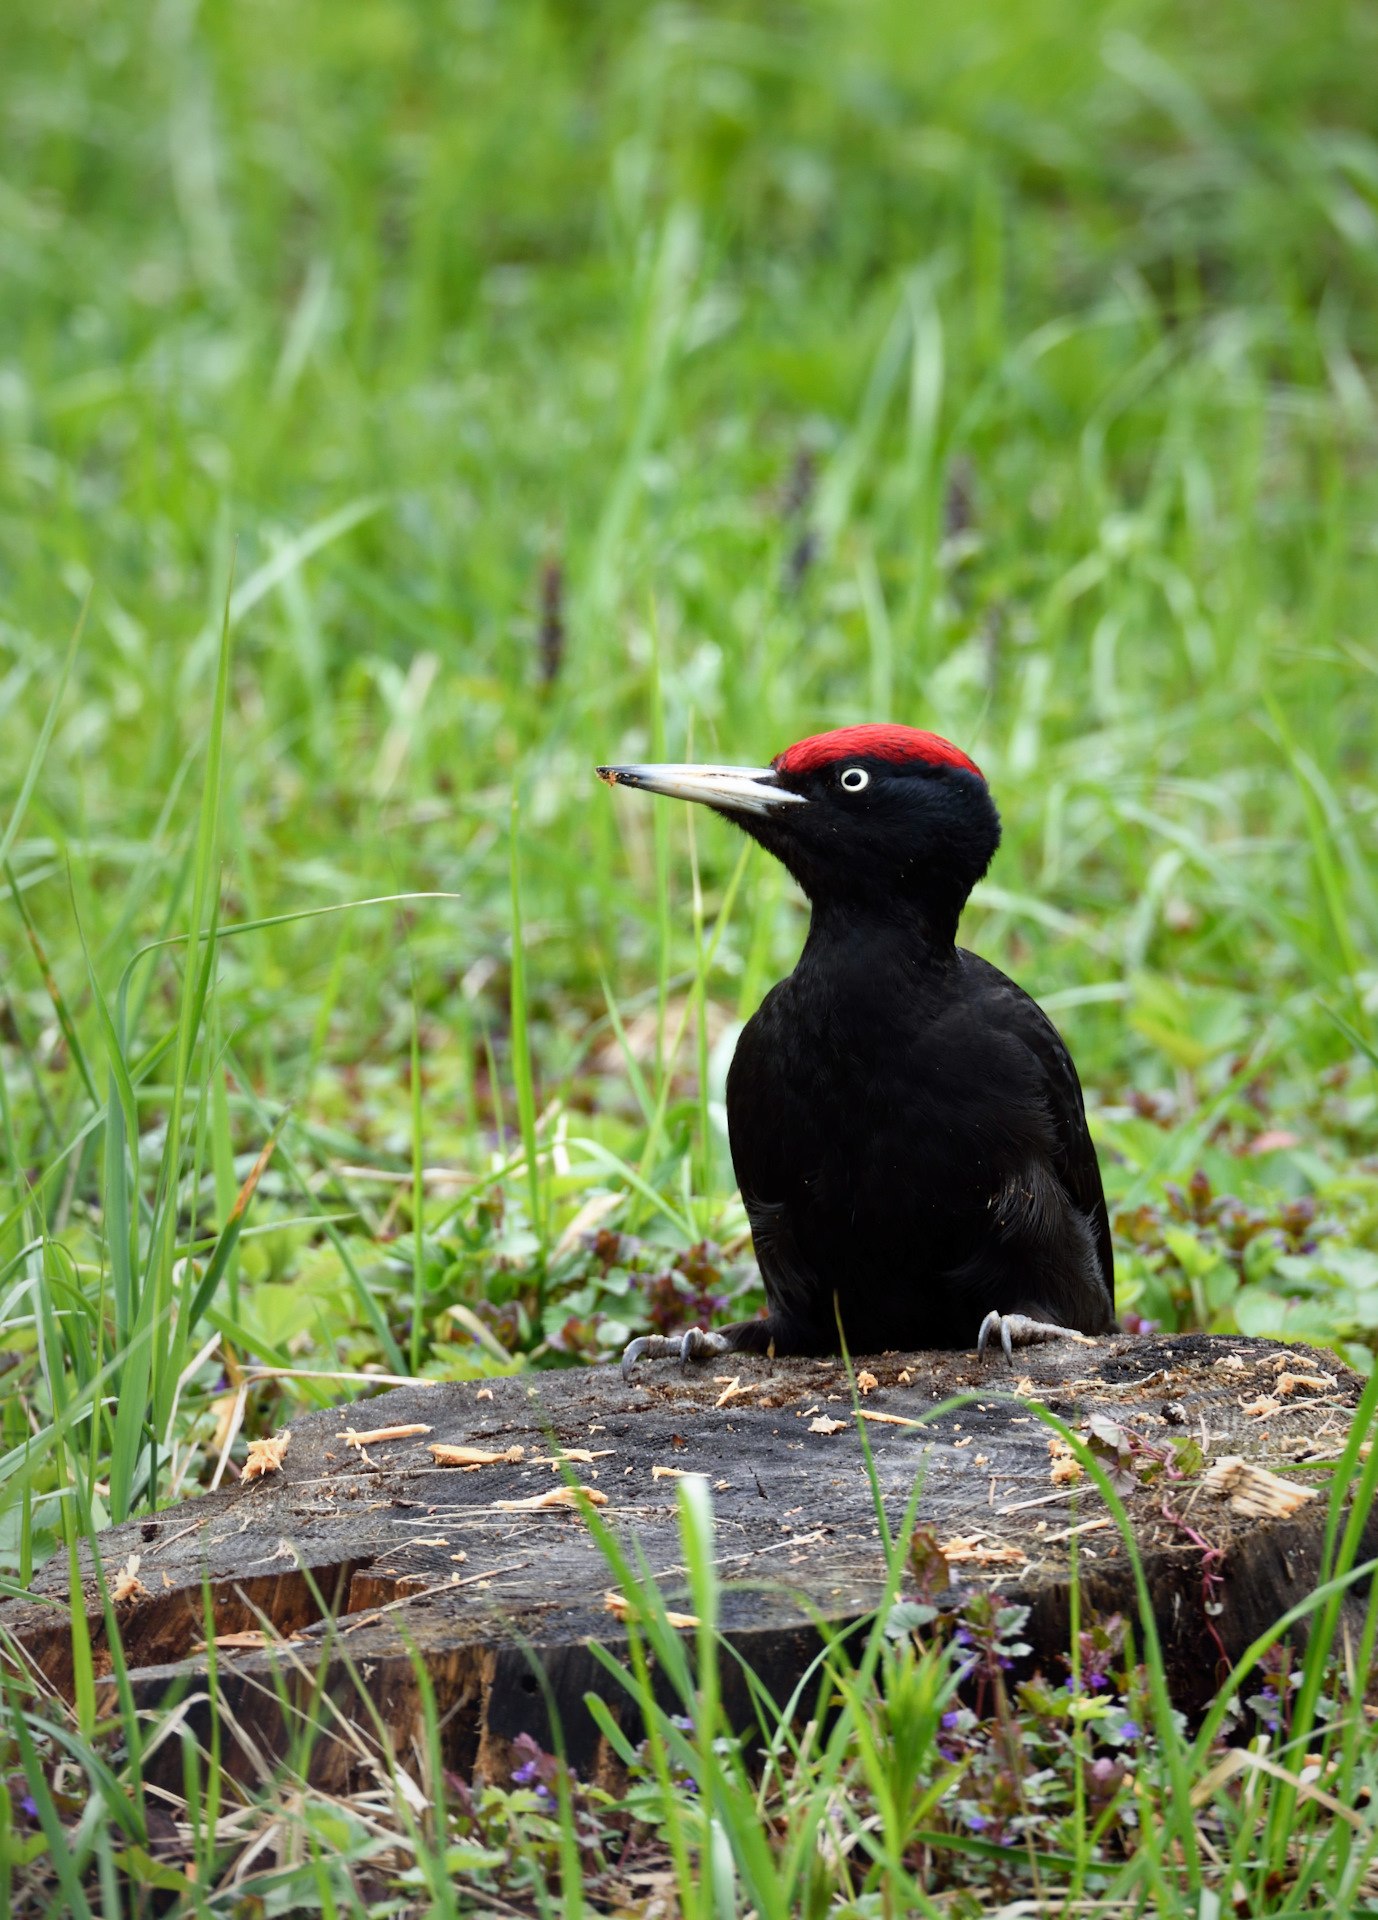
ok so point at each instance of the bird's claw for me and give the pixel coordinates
(695, 1343)
(1018, 1330)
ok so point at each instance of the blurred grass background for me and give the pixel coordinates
(546, 385)
(538, 385)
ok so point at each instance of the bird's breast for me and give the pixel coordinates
(867, 1070)
(855, 1062)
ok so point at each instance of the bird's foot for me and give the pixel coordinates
(1018, 1330)
(695, 1343)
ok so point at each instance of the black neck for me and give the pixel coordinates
(926, 927)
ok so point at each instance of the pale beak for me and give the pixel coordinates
(729, 789)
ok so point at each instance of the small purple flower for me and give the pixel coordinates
(526, 1774)
(1270, 1700)
(951, 1720)
(682, 1721)
(1131, 1730)
(976, 1821)
(29, 1805)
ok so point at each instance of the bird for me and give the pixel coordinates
(906, 1124)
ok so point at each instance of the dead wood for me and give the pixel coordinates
(348, 1564)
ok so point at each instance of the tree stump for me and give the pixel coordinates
(356, 1563)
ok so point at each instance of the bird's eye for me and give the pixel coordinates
(855, 778)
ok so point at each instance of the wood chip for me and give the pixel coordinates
(971, 1548)
(1043, 1500)
(670, 1473)
(557, 1497)
(732, 1388)
(1253, 1491)
(1231, 1360)
(1289, 1382)
(906, 1378)
(1084, 1526)
(1066, 1469)
(616, 1604)
(265, 1456)
(353, 1438)
(245, 1642)
(576, 1456)
(450, 1456)
(127, 1584)
(889, 1419)
(823, 1424)
(866, 1382)
(484, 1393)
(1261, 1408)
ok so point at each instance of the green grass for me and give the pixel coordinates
(405, 407)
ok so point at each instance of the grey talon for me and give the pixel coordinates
(633, 1352)
(695, 1343)
(1019, 1330)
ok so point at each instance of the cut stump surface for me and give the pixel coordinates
(354, 1563)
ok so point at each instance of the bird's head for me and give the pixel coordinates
(884, 817)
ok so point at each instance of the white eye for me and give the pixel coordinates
(855, 778)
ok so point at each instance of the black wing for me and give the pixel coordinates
(1009, 1008)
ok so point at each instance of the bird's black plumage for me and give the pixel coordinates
(906, 1124)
